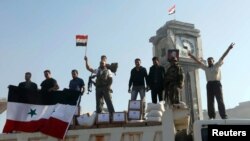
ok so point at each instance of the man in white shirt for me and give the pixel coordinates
(214, 87)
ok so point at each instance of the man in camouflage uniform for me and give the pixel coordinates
(173, 82)
(103, 86)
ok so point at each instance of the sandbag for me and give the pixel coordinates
(158, 107)
(156, 119)
(154, 113)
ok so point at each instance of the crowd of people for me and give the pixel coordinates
(164, 84)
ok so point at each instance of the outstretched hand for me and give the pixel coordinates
(231, 45)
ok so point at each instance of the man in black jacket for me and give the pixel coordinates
(156, 80)
(138, 76)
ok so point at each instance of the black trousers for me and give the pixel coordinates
(214, 90)
(157, 91)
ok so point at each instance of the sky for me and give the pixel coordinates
(40, 35)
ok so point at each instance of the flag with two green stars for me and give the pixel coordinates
(32, 111)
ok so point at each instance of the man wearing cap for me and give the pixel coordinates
(174, 80)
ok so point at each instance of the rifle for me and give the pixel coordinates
(90, 82)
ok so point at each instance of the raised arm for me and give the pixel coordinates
(87, 65)
(226, 52)
(194, 58)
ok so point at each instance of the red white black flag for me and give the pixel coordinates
(81, 40)
(171, 10)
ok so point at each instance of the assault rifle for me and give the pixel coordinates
(91, 82)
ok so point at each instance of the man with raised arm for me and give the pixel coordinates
(214, 87)
(103, 85)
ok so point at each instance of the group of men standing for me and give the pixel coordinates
(172, 81)
(157, 80)
(165, 84)
(50, 84)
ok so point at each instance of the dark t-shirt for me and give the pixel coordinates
(76, 84)
(47, 84)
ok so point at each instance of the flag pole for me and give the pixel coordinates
(86, 45)
(174, 12)
(85, 51)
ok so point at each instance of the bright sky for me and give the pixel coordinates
(39, 35)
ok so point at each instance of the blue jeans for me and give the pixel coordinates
(136, 90)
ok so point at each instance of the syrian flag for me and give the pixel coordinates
(32, 111)
(81, 40)
(171, 10)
